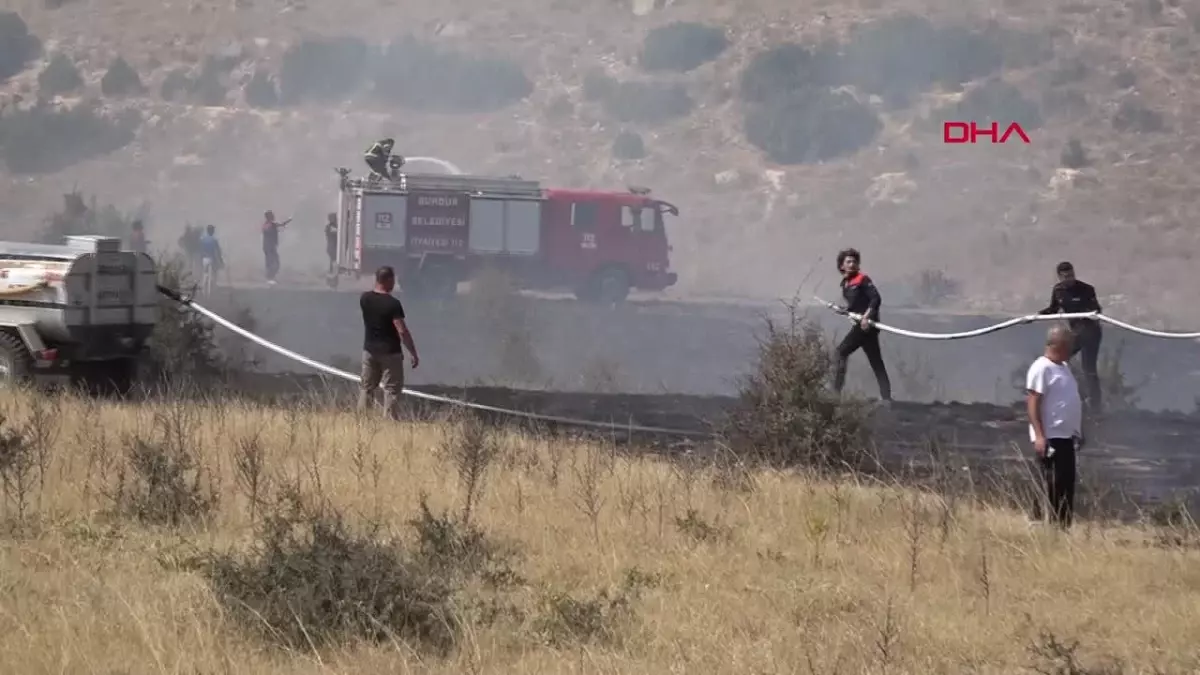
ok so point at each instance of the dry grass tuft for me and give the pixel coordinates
(331, 543)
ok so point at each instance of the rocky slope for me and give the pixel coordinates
(773, 170)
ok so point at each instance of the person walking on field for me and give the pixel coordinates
(385, 336)
(1055, 423)
(862, 297)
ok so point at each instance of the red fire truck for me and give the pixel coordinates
(439, 229)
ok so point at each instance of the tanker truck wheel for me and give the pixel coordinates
(16, 365)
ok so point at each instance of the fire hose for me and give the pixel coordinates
(1096, 316)
(337, 372)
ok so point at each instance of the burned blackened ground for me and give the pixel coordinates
(1130, 459)
(677, 366)
(659, 347)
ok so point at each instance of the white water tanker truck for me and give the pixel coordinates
(79, 312)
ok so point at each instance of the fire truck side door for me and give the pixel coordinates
(584, 220)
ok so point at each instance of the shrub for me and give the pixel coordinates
(999, 101)
(121, 80)
(208, 88)
(628, 145)
(323, 70)
(1133, 116)
(786, 415)
(597, 85)
(79, 217)
(205, 88)
(59, 77)
(811, 127)
(783, 71)
(175, 85)
(164, 484)
(906, 54)
(420, 76)
(45, 139)
(17, 45)
(1073, 155)
(682, 46)
(260, 91)
(649, 103)
(311, 581)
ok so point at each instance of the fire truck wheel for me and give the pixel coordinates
(438, 282)
(611, 285)
(16, 365)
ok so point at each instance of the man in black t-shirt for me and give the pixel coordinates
(385, 336)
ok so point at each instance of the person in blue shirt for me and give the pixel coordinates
(211, 260)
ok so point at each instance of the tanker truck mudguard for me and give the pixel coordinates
(437, 230)
(80, 312)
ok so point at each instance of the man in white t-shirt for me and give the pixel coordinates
(1055, 421)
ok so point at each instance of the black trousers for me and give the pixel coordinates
(271, 260)
(1087, 341)
(1058, 473)
(379, 165)
(868, 340)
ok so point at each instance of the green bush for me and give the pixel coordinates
(60, 76)
(323, 70)
(628, 145)
(786, 70)
(682, 46)
(46, 139)
(786, 414)
(999, 101)
(905, 54)
(17, 45)
(812, 126)
(121, 80)
(421, 76)
(312, 581)
(261, 92)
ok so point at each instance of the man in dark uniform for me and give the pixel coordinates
(1071, 296)
(862, 297)
(379, 158)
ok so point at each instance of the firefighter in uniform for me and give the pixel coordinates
(1071, 296)
(379, 157)
(862, 297)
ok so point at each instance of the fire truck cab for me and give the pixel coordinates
(437, 230)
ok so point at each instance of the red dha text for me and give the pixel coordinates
(969, 132)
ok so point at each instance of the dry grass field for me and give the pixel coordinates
(158, 539)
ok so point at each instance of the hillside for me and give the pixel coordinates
(835, 144)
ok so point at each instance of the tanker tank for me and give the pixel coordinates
(80, 311)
